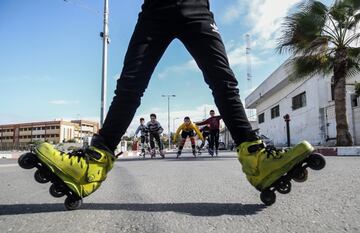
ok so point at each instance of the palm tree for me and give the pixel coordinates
(322, 40)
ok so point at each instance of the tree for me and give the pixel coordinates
(322, 40)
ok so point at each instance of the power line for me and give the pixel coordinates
(83, 6)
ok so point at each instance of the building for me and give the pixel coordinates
(310, 105)
(225, 135)
(20, 135)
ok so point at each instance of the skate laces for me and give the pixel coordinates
(78, 153)
(273, 151)
(270, 150)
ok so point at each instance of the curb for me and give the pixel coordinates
(339, 151)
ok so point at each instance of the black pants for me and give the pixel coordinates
(156, 136)
(144, 139)
(160, 22)
(214, 139)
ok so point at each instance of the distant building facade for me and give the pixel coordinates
(310, 105)
(20, 135)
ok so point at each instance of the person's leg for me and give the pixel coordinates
(147, 45)
(192, 140)
(216, 139)
(160, 144)
(142, 140)
(211, 141)
(152, 143)
(204, 43)
(182, 143)
(262, 166)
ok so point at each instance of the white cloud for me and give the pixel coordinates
(237, 56)
(264, 17)
(64, 102)
(177, 70)
(234, 12)
(267, 17)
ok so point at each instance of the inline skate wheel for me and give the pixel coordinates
(316, 161)
(300, 175)
(56, 190)
(41, 177)
(27, 161)
(72, 203)
(284, 187)
(268, 197)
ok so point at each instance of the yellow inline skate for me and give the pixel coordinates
(269, 169)
(76, 174)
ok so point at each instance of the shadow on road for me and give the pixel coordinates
(195, 209)
(182, 158)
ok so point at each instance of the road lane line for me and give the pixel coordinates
(9, 165)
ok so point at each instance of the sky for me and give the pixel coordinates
(51, 58)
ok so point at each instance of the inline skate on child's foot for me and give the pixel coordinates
(142, 154)
(194, 153)
(211, 152)
(152, 153)
(178, 154)
(269, 169)
(76, 174)
(198, 150)
(162, 154)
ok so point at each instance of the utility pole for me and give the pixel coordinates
(169, 134)
(105, 35)
(249, 71)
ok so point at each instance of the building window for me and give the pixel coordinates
(275, 112)
(332, 91)
(299, 101)
(354, 101)
(261, 118)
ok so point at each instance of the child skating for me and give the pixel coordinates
(187, 130)
(155, 130)
(159, 23)
(144, 136)
(214, 130)
(205, 133)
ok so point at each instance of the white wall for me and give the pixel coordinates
(316, 121)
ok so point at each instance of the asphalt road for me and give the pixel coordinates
(186, 195)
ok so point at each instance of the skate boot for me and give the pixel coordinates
(211, 152)
(162, 154)
(194, 153)
(76, 175)
(142, 153)
(152, 153)
(198, 148)
(269, 169)
(216, 152)
(178, 154)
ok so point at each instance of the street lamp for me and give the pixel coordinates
(168, 97)
(106, 40)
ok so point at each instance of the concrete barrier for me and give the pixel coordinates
(339, 151)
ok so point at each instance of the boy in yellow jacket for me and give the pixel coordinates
(187, 130)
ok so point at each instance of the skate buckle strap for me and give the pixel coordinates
(256, 147)
(117, 155)
(92, 154)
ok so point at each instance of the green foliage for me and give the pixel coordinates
(316, 33)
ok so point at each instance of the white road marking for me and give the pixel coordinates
(9, 165)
